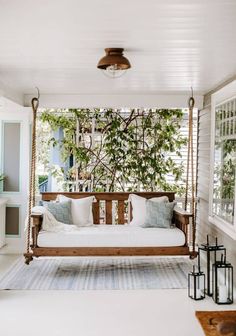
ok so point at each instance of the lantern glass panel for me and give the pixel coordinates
(196, 286)
(210, 253)
(222, 283)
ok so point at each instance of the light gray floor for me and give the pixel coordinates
(95, 313)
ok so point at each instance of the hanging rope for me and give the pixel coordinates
(190, 168)
(35, 105)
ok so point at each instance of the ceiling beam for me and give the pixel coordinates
(115, 101)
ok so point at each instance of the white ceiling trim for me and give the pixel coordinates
(114, 101)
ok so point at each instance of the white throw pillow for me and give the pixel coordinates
(81, 209)
(139, 208)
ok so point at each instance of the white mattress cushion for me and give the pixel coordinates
(81, 209)
(139, 208)
(112, 236)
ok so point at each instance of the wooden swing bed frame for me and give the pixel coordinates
(181, 219)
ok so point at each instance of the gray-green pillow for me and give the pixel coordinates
(159, 214)
(61, 211)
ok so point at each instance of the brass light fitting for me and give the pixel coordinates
(114, 64)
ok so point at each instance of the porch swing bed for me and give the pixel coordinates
(105, 239)
(102, 238)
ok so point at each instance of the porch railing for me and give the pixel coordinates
(43, 187)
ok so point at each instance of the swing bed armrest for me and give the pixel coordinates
(181, 218)
(37, 220)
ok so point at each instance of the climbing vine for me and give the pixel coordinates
(116, 151)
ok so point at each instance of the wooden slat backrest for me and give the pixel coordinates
(96, 212)
(121, 212)
(108, 211)
(108, 197)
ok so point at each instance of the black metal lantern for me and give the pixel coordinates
(212, 254)
(196, 284)
(222, 274)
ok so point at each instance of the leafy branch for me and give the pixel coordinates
(130, 152)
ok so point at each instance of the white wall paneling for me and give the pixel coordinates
(13, 113)
(3, 202)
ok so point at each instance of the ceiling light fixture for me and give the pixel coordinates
(114, 64)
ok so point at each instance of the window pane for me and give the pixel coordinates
(11, 156)
(224, 162)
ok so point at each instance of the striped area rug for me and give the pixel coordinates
(97, 273)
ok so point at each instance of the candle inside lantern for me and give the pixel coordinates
(198, 294)
(223, 294)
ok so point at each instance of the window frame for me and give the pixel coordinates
(224, 95)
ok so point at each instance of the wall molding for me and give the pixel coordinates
(207, 96)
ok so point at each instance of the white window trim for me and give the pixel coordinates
(222, 96)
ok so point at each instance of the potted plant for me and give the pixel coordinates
(1, 182)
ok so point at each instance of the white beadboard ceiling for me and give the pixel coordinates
(171, 44)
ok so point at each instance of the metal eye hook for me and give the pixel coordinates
(191, 100)
(38, 92)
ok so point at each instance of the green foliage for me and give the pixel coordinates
(224, 170)
(42, 178)
(129, 153)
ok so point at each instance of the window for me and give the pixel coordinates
(223, 164)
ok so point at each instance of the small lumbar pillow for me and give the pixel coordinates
(61, 211)
(139, 207)
(159, 214)
(81, 209)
